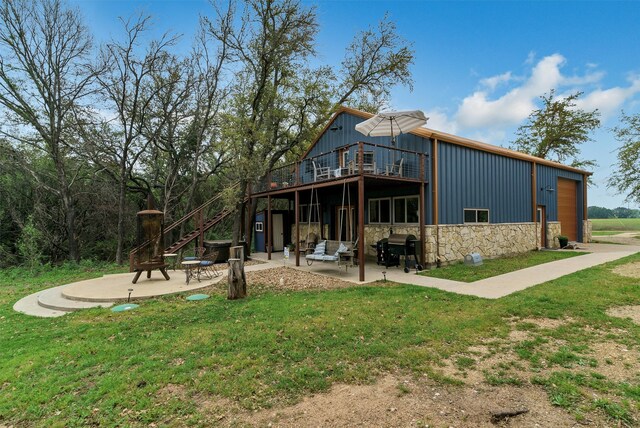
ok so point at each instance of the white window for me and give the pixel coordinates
(380, 211)
(368, 158)
(259, 226)
(406, 209)
(304, 213)
(475, 215)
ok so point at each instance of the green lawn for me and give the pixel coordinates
(493, 267)
(616, 224)
(98, 368)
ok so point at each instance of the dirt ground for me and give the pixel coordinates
(409, 400)
(629, 269)
(626, 238)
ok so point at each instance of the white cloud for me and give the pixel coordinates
(478, 110)
(609, 101)
(440, 121)
(492, 82)
(531, 57)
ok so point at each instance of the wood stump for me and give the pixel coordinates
(236, 278)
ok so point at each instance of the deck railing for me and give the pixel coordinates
(352, 159)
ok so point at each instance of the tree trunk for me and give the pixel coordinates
(236, 277)
(237, 224)
(122, 190)
(70, 215)
(251, 214)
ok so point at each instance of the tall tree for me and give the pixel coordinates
(280, 99)
(557, 130)
(44, 76)
(129, 87)
(626, 175)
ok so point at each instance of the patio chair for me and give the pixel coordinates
(208, 265)
(198, 253)
(395, 168)
(320, 172)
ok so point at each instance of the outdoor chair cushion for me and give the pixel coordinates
(318, 252)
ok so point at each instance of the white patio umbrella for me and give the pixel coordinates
(392, 123)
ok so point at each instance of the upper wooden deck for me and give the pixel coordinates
(347, 163)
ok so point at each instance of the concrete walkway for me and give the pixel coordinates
(492, 288)
(108, 289)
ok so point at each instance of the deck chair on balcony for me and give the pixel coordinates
(395, 168)
(320, 172)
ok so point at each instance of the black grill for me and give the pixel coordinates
(403, 245)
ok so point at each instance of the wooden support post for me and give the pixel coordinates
(534, 193)
(236, 278)
(434, 196)
(269, 227)
(434, 182)
(248, 230)
(585, 209)
(297, 214)
(534, 202)
(361, 221)
(201, 226)
(360, 157)
(423, 234)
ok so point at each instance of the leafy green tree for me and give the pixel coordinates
(29, 245)
(129, 84)
(280, 99)
(599, 212)
(624, 212)
(557, 130)
(626, 175)
(44, 76)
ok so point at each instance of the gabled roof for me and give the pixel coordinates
(453, 139)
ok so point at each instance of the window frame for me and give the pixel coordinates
(379, 216)
(405, 198)
(477, 211)
(303, 211)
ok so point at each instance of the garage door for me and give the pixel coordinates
(567, 207)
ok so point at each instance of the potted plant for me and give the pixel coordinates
(563, 240)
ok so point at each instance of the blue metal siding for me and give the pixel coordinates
(469, 178)
(547, 178)
(348, 135)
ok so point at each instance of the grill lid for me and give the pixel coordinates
(401, 239)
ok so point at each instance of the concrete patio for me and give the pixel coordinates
(492, 288)
(106, 290)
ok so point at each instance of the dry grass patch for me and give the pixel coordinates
(631, 312)
(631, 270)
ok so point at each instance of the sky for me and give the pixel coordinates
(480, 66)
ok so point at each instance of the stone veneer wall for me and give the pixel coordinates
(553, 231)
(313, 228)
(451, 243)
(587, 229)
(490, 240)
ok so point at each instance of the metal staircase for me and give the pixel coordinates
(202, 225)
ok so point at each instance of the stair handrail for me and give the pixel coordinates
(196, 210)
(184, 218)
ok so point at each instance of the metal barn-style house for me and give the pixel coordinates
(454, 195)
